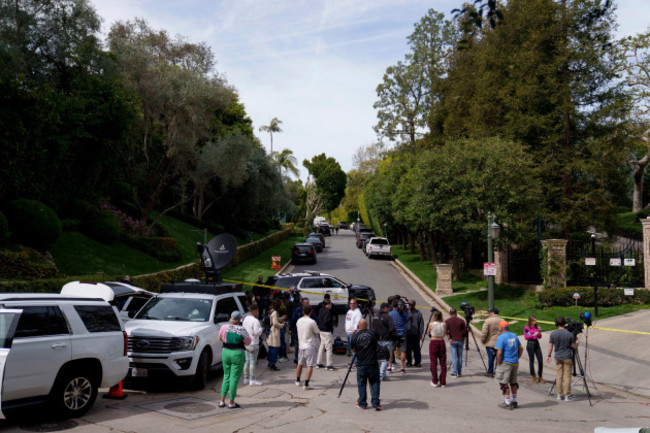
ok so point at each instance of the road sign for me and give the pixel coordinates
(590, 261)
(276, 262)
(629, 262)
(576, 295)
(628, 292)
(614, 262)
(489, 269)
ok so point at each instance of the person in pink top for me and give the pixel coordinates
(533, 335)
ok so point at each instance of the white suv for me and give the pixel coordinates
(177, 332)
(59, 351)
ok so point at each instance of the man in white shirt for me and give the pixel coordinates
(352, 318)
(307, 345)
(254, 328)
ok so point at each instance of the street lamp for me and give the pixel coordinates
(493, 230)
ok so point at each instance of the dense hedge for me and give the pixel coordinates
(162, 243)
(33, 223)
(607, 297)
(4, 228)
(17, 266)
(144, 244)
(104, 227)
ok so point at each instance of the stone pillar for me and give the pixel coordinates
(555, 262)
(646, 250)
(501, 259)
(443, 280)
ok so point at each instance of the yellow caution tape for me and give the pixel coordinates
(592, 327)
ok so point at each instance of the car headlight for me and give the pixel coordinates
(186, 343)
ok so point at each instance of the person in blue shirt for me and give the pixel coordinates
(400, 319)
(509, 350)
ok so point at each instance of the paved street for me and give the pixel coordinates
(410, 403)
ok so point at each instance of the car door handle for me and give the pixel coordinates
(58, 346)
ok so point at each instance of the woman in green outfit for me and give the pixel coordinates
(233, 357)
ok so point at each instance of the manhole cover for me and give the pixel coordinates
(50, 426)
(189, 407)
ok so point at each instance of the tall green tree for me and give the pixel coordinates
(329, 180)
(273, 126)
(286, 161)
(178, 94)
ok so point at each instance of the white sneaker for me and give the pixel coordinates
(297, 382)
(255, 383)
(560, 397)
(245, 381)
(305, 387)
(435, 385)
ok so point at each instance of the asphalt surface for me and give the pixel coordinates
(409, 402)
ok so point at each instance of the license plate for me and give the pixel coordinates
(139, 372)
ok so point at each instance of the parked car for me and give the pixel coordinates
(61, 349)
(342, 225)
(378, 247)
(363, 236)
(316, 242)
(177, 333)
(314, 285)
(127, 298)
(324, 228)
(318, 235)
(304, 252)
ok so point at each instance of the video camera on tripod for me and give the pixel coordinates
(468, 310)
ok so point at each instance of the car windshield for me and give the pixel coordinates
(179, 309)
(379, 242)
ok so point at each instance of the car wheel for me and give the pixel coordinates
(201, 376)
(73, 393)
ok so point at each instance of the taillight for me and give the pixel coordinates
(311, 251)
(126, 343)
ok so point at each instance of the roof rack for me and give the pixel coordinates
(201, 287)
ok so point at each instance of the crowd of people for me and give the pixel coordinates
(394, 337)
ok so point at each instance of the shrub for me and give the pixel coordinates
(17, 266)
(82, 209)
(146, 245)
(607, 297)
(71, 225)
(105, 227)
(33, 223)
(4, 228)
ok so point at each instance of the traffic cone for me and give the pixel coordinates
(116, 392)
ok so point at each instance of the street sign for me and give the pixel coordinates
(489, 269)
(614, 262)
(629, 292)
(576, 295)
(629, 262)
(590, 261)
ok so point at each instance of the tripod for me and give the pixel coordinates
(433, 310)
(583, 374)
(469, 331)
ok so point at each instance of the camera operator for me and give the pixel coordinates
(400, 319)
(385, 328)
(364, 344)
(414, 332)
(352, 318)
(489, 335)
(456, 330)
(564, 343)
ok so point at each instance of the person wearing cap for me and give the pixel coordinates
(489, 335)
(509, 350)
(234, 338)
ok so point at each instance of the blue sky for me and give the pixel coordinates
(314, 64)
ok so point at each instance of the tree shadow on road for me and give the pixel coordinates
(404, 403)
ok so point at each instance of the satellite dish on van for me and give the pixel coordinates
(216, 255)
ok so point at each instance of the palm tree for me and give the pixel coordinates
(273, 126)
(285, 161)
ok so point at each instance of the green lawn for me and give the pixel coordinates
(77, 254)
(511, 301)
(261, 265)
(426, 272)
(521, 305)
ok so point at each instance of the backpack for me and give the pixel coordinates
(340, 346)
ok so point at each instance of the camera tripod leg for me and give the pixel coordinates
(354, 358)
(584, 378)
(479, 351)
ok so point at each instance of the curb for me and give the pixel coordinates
(425, 291)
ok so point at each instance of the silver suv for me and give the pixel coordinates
(177, 332)
(59, 350)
